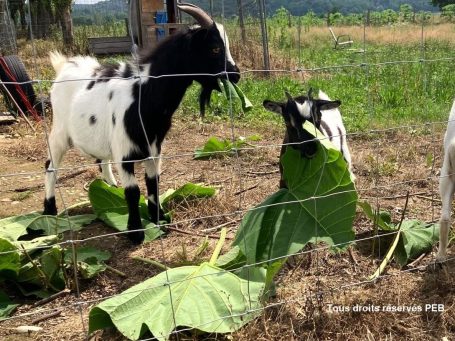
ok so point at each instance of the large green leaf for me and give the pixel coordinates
(6, 305)
(416, 238)
(319, 206)
(231, 91)
(215, 147)
(35, 244)
(110, 206)
(203, 297)
(51, 225)
(90, 261)
(44, 272)
(12, 228)
(110, 199)
(383, 219)
(188, 191)
(10, 260)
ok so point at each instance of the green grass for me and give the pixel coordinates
(374, 95)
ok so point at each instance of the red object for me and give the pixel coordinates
(19, 91)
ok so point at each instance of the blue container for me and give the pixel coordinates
(161, 18)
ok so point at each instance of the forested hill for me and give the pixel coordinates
(114, 10)
(299, 7)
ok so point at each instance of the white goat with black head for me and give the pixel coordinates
(447, 185)
(322, 112)
(122, 112)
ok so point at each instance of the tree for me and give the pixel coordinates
(448, 12)
(241, 20)
(442, 3)
(63, 13)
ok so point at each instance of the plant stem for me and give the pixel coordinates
(114, 270)
(152, 262)
(218, 246)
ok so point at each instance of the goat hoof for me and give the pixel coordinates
(49, 207)
(161, 217)
(136, 237)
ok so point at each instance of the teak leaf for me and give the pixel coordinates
(203, 297)
(318, 206)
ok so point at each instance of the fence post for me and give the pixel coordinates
(265, 40)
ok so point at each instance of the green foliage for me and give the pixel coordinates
(414, 237)
(441, 3)
(203, 297)
(448, 12)
(232, 91)
(34, 265)
(320, 7)
(12, 228)
(110, 206)
(215, 147)
(6, 305)
(10, 260)
(90, 261)
(318, 206)
(188, 191)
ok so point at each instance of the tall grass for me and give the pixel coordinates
(390, 75)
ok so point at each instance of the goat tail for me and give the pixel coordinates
(57, 60)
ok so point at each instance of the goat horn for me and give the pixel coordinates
(197, 13)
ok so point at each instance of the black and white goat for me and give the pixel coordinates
(323, 113)
(122, 112)
(447, 185)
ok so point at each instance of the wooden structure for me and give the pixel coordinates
(150, 29)
(146, 30)
(110, 45)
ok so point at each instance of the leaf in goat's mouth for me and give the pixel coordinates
(231, 90)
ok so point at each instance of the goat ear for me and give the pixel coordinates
(327, 105)
(275, 107)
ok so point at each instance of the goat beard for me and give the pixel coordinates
(204, 96)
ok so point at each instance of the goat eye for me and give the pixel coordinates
(216, 50)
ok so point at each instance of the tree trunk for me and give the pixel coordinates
(241, 20)
(67, 26)
(43, 19)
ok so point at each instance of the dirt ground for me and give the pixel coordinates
(313, 292)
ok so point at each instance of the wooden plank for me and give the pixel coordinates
(7, 118)
(109, 39)
(110, 45)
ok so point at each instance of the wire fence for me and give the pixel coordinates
(375, 189)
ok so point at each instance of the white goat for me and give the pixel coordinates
(447, 185)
